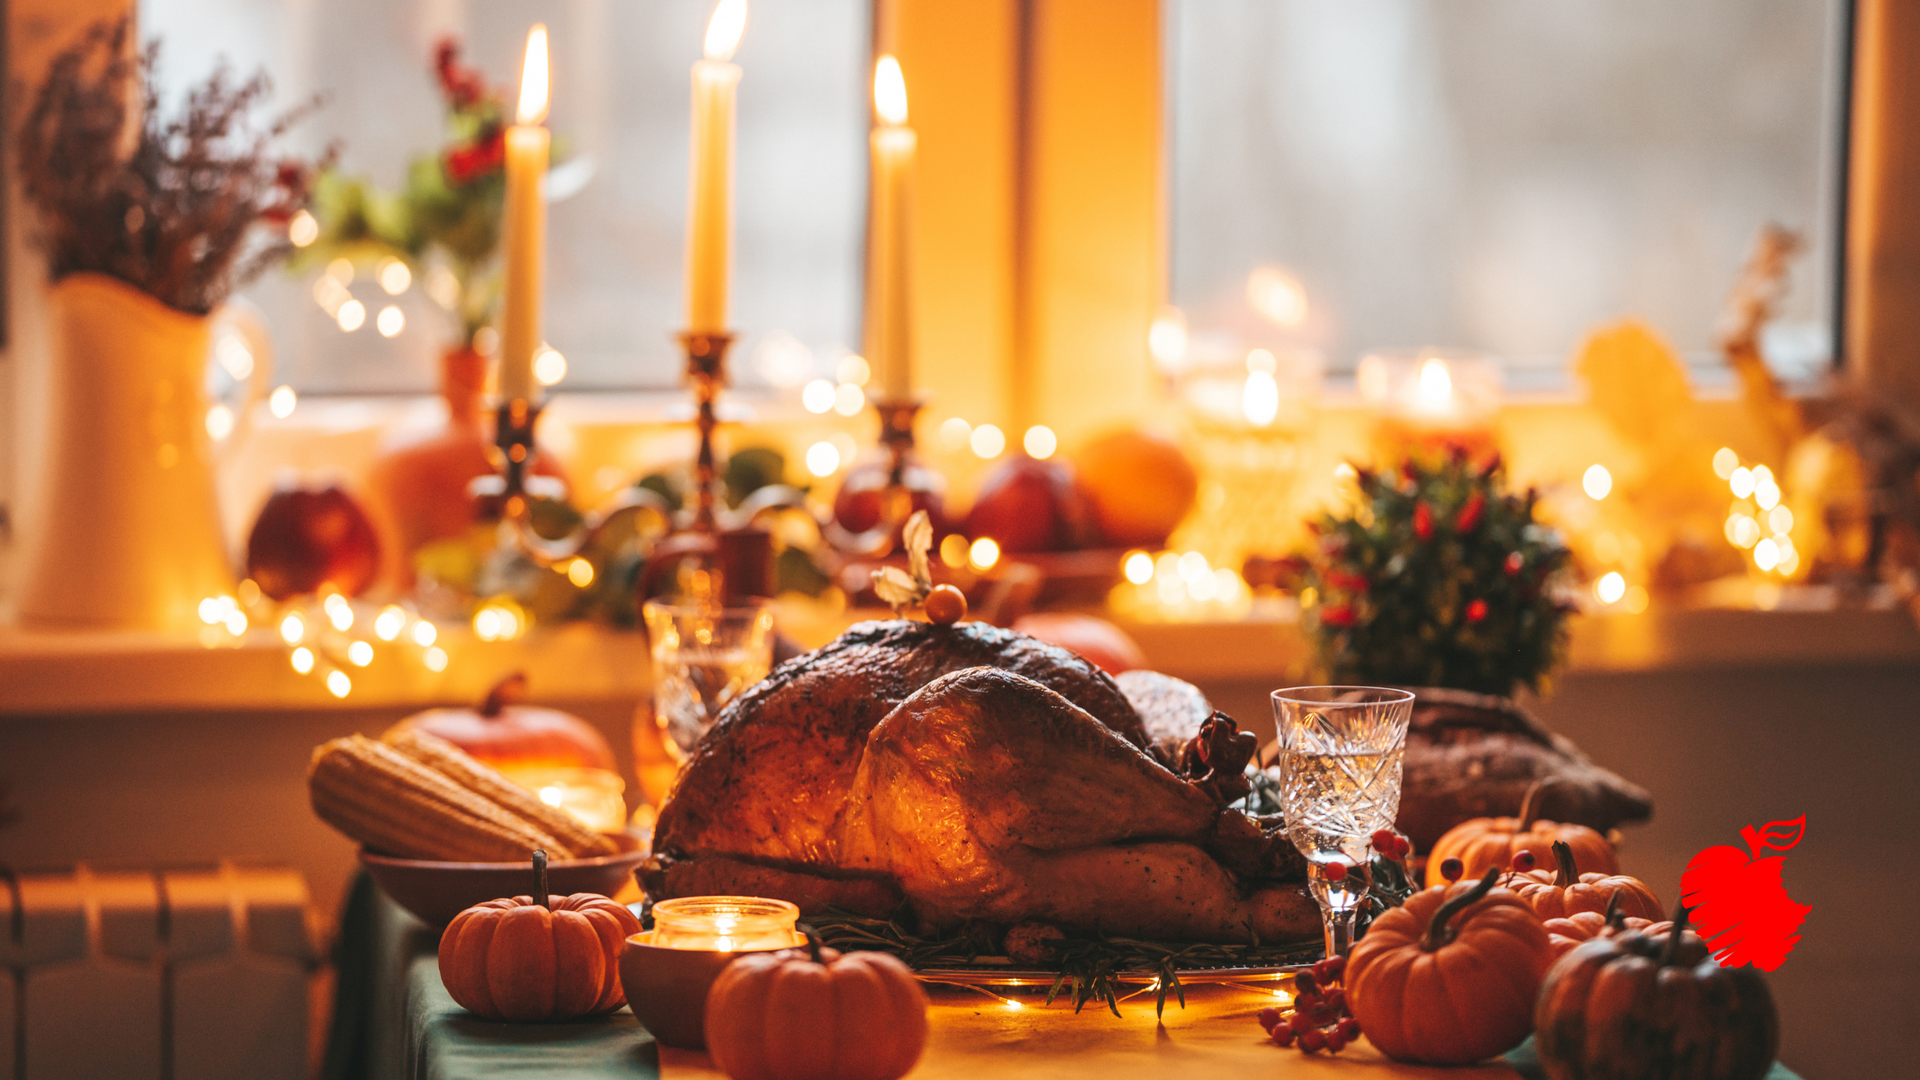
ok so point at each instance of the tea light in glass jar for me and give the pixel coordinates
(594, 796)
(1429, 396)
(725, 924)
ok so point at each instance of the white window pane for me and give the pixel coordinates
(621, 88)
(1501, 175)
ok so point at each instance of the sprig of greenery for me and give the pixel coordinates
(450, 208)
(1090, 968)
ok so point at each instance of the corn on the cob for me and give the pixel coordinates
(442, 756)
(394, 805)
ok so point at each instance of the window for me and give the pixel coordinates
(1499, 175)
(620, 113)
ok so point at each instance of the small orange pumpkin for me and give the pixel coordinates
(523, 959)
(1582, 926)
(1556, 894)
(801, 1014)
(1492, 842)
(1451, 976)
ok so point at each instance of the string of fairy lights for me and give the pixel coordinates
(328, 637)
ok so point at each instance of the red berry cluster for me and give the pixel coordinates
(1391, 844)
(1452, 868)
(1319, 1019)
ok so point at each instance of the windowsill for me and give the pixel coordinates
(48, 673)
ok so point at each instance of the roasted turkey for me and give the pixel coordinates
(980, 776)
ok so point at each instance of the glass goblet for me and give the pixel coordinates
(703, 658)
(1339, 781)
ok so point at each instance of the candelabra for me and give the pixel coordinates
(705, 529)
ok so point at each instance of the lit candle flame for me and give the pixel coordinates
(533, 77)
(1436, 384)
(890, 91)
(724, 29)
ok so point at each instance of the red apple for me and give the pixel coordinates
(1030, 505)
(306, 540)
(860, 503)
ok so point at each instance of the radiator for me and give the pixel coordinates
(156, 975)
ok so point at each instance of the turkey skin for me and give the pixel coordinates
(977, 775)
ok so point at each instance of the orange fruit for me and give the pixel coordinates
(1141, 486)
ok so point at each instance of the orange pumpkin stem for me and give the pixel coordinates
(1674, 935)
(1438, 931)
(540, 880)
(1569, 872)
(507, 691)
(1613, 919)
(1529, 802)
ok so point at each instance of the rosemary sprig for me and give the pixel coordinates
(1088, 968)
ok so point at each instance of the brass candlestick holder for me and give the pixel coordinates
(507, 493)
(876, 499)
(706, 374)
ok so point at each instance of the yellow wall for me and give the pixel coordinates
(1883, 265)
(1092, 256)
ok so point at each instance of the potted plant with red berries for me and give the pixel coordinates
(1441, 579)
(442, 229)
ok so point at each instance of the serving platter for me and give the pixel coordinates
(990, 976)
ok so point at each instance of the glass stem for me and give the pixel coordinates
(1339, 926)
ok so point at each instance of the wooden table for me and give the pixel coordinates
(1216, 1035)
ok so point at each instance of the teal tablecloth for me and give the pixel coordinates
(393, 1019)
(1526, 1062)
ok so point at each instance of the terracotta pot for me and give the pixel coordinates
(130, 533)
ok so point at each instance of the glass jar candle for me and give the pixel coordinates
(725, 924)
(593, 796)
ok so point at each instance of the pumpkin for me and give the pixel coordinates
(1482, 843)
(1568, 932)
(1564, 891)
(1449, 977)
(802, 1014)
(554, 958)
(1654, 1007)
(517, 738)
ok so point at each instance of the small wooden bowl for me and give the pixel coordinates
(437, 891)
(667, 988)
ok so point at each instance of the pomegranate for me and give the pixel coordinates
(306, 540)
(1031, 505)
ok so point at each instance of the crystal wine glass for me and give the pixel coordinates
(1340, 781)
(703, 658)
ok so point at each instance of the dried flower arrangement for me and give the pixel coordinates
(166, 204)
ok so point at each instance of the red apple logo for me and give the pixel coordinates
(1736, 902)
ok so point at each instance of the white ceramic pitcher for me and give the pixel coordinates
(131, 534)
